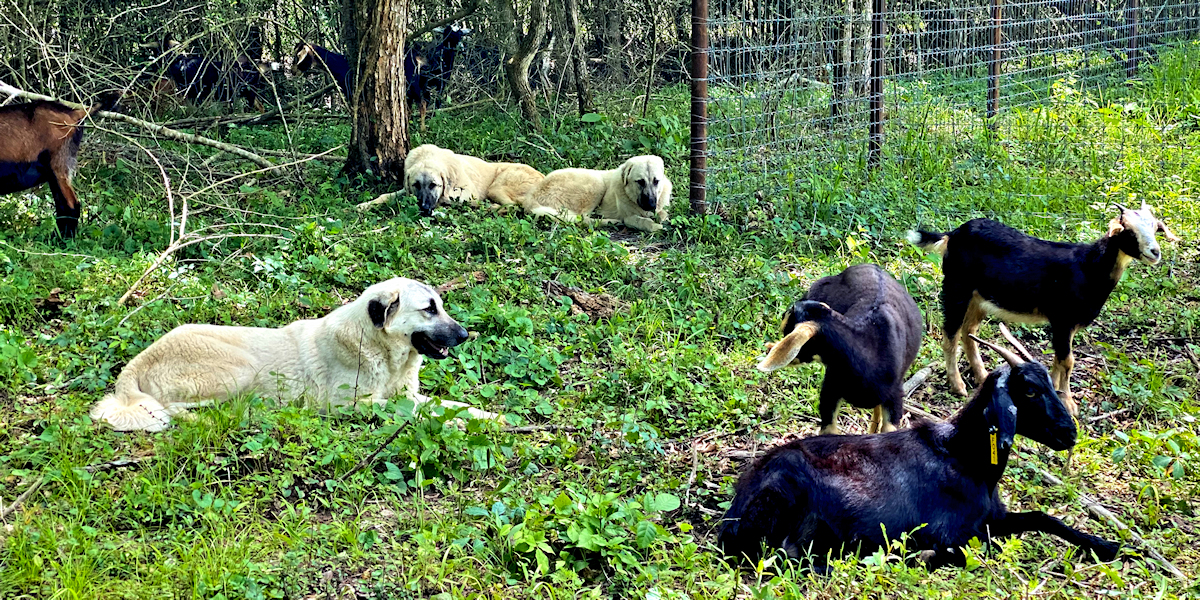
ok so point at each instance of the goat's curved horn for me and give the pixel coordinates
(784, 352)
(1012, 359)
(1121, 206)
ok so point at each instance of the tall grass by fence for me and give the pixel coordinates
(792, 81)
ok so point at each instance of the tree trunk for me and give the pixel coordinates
(379, 136)
(517, 67)
(843, 52)
(616, 70)
(862, 49)
(562, 48)
(578, 57)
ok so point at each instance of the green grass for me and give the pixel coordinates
(253, 500)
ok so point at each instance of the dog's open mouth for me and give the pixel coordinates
(425, 346)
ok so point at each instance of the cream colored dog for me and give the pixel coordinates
(434, 174)
(636, 194)
(370, 349)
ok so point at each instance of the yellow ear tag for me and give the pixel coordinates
(995, 459)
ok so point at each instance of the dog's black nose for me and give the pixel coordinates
(460, 336)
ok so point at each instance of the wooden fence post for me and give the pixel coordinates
(1133, 52)
(875, 145)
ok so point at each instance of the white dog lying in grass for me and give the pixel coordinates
(370, 349)
(635, 194)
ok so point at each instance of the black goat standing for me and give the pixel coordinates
(829, 495)
(428, 72)
(195, 76)
(199, 78)
(307, 55)
(990, 268)
(866, 329)
(39, 143)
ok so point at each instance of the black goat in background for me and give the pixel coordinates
(428, 71)
(307, 55)
(39, 142)
(199, 78)
(836, 494)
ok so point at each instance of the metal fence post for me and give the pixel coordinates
(993, 104)
(875, 146)
(1132, 20)
(699, 142)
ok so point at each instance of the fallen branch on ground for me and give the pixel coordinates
(1108, 415)
(11, 508)
(1097, 509)
(269, 116)
(461, 281)
(5, 511)
(917, 380)
(117, 463)
(187, 138)
(537, 428)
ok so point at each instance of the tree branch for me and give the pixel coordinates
(187, 138)
(466, 11)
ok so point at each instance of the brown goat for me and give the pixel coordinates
(38, 144)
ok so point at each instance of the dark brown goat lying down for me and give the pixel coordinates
(834, 494)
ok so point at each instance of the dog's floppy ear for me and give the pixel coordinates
(626, 167)
(452, 177)
(784, 352)
(381, 313)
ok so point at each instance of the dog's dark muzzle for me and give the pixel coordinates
(436, 343)
(648, 200)
(427, 200)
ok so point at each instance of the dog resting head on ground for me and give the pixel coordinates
(636, 194)
(434, 175)
(370, 349)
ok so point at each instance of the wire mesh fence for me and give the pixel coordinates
(789, 82)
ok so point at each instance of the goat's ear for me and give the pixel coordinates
(1001, 412)
(1167, 233)
(1115, 226)
(786, 351)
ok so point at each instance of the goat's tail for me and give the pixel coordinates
(128, 408)
(929, 241)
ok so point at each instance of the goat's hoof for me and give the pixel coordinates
(926, 556)
(1072, 406)
(958, 390)
(830, 430)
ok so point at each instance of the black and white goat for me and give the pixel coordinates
(836, 494)
(990, 268)
(427, 71)
(866, 329)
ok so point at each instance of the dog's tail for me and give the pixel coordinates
(929, 241)
(128, 408)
